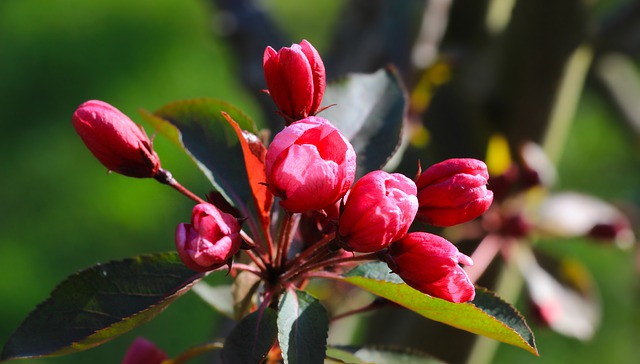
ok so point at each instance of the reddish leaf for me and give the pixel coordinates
(254, 155)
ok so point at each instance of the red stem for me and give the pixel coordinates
(483, 255)
(247, 268)
(267, 235)
(259, 262)
(322, 243)
(284, 240)
(163, 176)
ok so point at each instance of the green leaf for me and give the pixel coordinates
(369, 110)
(303, 325)
(342, 355)
(218, 297)
(97, 304)
(486, 315)
(379, 355)
(195, 351)
(243, 290)
(208, 138)
(251, 340)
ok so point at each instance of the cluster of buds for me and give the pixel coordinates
(310, 167)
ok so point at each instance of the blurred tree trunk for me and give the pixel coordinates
(505, 82)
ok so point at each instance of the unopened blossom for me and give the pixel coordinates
(117, 142)
(310, 165)
(210, 241)
(296, 79)
(453, 191)
(429, 263)
(379, 210)
(143, 351)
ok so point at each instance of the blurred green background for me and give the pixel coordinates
(62, 212)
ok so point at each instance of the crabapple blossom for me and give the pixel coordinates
(379, 210)
(296, 79)
(453, 191)
(117, 142)
(212, 238)
(429, 263)
(310, 165)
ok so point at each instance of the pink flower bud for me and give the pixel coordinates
(429, 263)
(210, 241)
(118, 143)
(310, 165)
(453, 191)
(379, 210)
(295, 78)
(143, 351)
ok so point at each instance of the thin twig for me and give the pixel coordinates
(284, 239)
(247, 268)
(163, 176)
(322, 243)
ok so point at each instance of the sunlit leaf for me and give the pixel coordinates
(302, 328)
(342, 356)
(99, 303)
(369, 110)
(251, 340)
(486, 315)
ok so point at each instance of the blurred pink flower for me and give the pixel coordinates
(143, 351)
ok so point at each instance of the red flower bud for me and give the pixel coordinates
(429, 263)
(296, 79)
(310, 165)
(453, 191)
(212, 238)
(379, 210)
(118, 143)
(143, 351)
